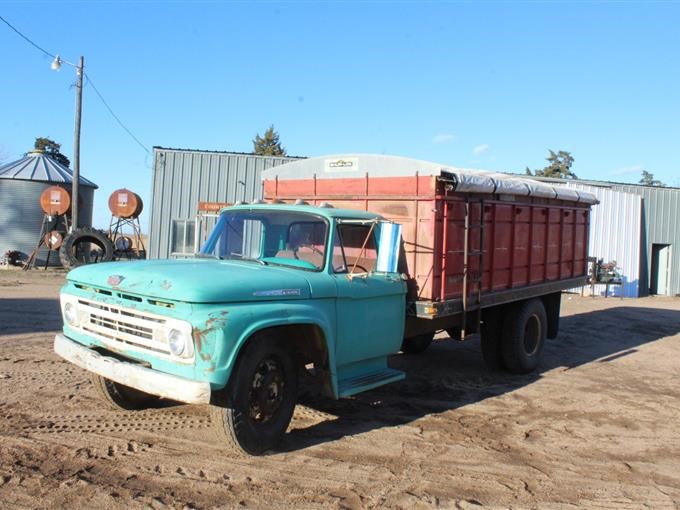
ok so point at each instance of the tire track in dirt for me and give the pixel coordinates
(96, 423)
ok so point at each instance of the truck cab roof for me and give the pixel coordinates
(327, 212)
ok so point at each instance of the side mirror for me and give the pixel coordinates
(388, 247)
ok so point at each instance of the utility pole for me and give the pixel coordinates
(76, 145)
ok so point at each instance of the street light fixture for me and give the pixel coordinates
(56, 65)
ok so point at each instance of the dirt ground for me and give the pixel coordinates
(598, 426)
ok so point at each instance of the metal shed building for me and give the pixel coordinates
(615, 233)
(21, 184)
(658, 239)
(183, 178)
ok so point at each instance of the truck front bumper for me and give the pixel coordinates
(132, 375)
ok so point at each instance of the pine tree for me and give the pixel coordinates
(559, 166)
(269, 144)
(649, 180)
(52, 149)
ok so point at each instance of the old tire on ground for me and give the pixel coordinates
(490, 341)
(254, 410)
(76, 249)
(524, 331)
(118, 396)
(417, 344)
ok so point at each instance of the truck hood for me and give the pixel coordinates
(196, 280)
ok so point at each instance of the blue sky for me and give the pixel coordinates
(490, 85)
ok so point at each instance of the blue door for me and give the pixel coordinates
(370, 306)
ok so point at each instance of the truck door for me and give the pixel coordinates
(370, 305)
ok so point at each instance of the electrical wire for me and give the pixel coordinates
(120, 122)
(89, 80)
(26, 38)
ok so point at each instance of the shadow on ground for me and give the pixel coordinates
(452, 374)
(29, 315)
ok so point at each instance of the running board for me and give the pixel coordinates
(366, 381)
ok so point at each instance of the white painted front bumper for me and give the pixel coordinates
(132, 375)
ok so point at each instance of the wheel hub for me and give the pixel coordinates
(266, 392)
(532, 333)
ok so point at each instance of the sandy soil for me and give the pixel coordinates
(596, 427)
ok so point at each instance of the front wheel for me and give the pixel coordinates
(119, 396)
(258, 403)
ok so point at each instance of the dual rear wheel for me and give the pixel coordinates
(515, 339)
(511, 339)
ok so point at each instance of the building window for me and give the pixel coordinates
(182, 242)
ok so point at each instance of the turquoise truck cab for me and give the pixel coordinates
(276, 290)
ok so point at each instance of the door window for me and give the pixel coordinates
(354, 248)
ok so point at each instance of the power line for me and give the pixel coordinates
(26, 38)
(89, 80)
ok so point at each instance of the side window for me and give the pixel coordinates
(182, 242)
(354, 249)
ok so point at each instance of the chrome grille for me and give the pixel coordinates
(118, 326)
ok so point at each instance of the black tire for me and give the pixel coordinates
(454, 333)
(417, 344)
(118, 396)
(76, 248)
(490, 340)
(524, 331)
(254, 410)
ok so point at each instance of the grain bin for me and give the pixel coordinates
(22, 183)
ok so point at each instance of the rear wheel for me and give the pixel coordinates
(257, 405)
(454, 333)
(417, 344)
(119, 396)
(524, 332)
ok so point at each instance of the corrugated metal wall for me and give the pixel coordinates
(22, 217)
(182, 178)
(615, 233)
(661, 225)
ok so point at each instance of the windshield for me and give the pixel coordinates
(269, 237)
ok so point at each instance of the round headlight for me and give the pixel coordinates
(177, 341)
(71, 314)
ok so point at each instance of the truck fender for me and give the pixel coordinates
(292, 320)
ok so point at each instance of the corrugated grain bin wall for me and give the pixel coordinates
(21, 184)
(182, 178)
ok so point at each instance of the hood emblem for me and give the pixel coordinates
(115, 279)
(277, 292)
